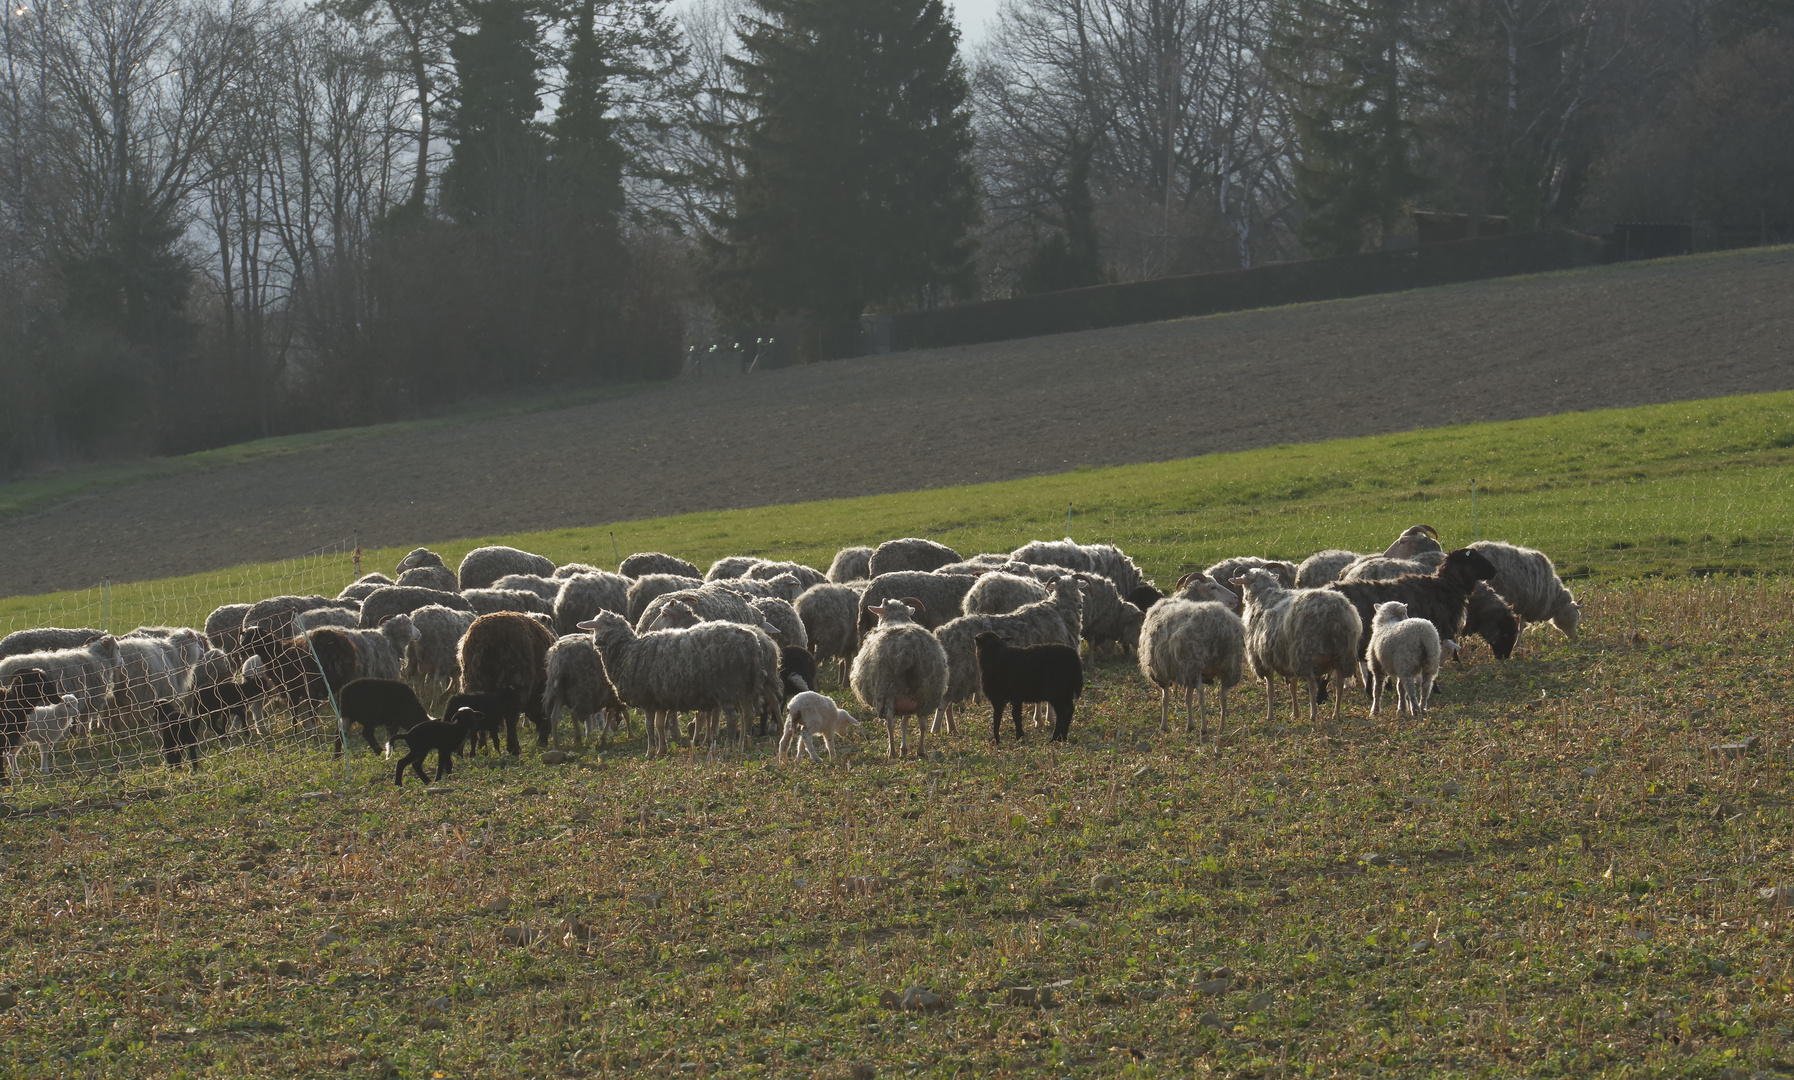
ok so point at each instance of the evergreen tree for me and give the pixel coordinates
(1069, 258)
(856, 184)
(499, 150)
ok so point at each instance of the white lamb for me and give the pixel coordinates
(48, 725)
(810, 714)
(1406, 650)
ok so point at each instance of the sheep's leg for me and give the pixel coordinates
(1016, 712)
(996, 722)
(1221, 725)
(828, 742)
(921, 738)
(1295, 703)
(1376, 693)
(1270, 698)
(1314, 693)
(890, 732)
(1201, 707)
(1165, 710)
(1338, 699)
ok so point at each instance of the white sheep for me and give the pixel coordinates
(998, 593)
(46, 727)
(1298, 635)
(1324, 567)
(1189, 640)
(901, 671)
(829, 612)
(1406, 650)
(851, 564)
(808, 715)
(910, 553)
(484, 565)
(1527, 580)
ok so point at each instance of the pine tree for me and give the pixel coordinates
(499, 150)
(856, 183)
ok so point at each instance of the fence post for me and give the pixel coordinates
(1475, 531)
(1068, 521)
(342, 730)
(618, 559)
(355, 538)
(106, 604)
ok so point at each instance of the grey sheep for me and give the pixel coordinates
(1065, 554)
(1111, 562)
(1415, 540)
(380, 654)
(1108, 617)
(275, 614)
(851, 564)
(487, 601)
(1055, 620)
(224, 627)
(645, 588)
(1298, 635)
(1527, 580)
(998, 593)
(829, 613)
(784, 586)
(731, 566)
(89, 672)
(900, 671)
(392, 600)
(910, 553)
(357, 590)
(347, 618)
(1227, 570)
(576, 682)
(940, 595)
(1406, 650)
(1323, 567)
(48, 639)
(546, 588)
(783, 616)
(485, 565)
(432, 661)
(440, 578)
(643, 563)
(418, 557)
(1190, 640)
(574, 569)
(708, 602)
(158, 665)
(584, 595)
(1390, 567)
(806, 576)
(713, 667)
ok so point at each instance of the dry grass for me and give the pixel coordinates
(1551, 875)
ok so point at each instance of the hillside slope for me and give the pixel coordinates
(1608, 337)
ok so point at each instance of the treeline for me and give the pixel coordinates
(221, 219)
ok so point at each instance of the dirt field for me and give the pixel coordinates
(1605, 338)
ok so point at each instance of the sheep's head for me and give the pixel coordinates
(1413, 541)
(1132, 620)
(1255, 582)
(608, 626)
(400, 630)
(1448, 649)
(1390, 611)
(891, 612)
(988, 641)
(1466, 564)
(1567, 619)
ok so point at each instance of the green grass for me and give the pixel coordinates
(1662, 489)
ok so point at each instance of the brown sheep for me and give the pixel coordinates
(506, 653)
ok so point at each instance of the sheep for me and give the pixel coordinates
(154, 669)
(1406, 650)
(1228, 569)
(391, 600)
(1527, 580)
(731, 566)
(484, 565)
(644, 563)
(1487, 615)
(1111, 562)
(711, 667)
(21, 693)
(1052, 674)
(490, 708)
(1055, 620)
(88, 672)
(284, 667)
(507, 652)
(224, 628)
(1297, 634)
(576, 679)
(446, 737)
(378, 654)
(1414, 541)
(574, 569)
(1108, 617)
(487, 601)
(46, 725)
(645, 588)
(1190, 640)
(900, 671)
(782, 615)
(851, 564)
(357, 591)
(275, 614)
(46, 639)
(940, 595)
(999, 593)
(1440, 597)
(347, 618)
(910, 553)
(797, 669)
(440, 578)
(709, 602)
(178, 732)
(807, 577)
(418, 557)
(584, 595)
(1145, 595)
(1324, 567)
(785, 587)
(333, 651)
(1061, 553)
(546, 588)
(829, 612)
(808, 715)
(224, 704)
(370, 703)
(432, 661)
(1388, 567)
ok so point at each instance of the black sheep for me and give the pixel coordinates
(373, 703)
(1008, 675)
(26, 691)
(178, 731)
(1489, 617)
(218, 703)
(490, 707)
(1145, 595)
(446, 737)
(1441, 597)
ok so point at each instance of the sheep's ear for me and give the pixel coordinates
(589, 624)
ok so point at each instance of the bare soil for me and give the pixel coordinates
(1604, 338)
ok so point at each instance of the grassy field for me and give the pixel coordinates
(1662, 489)
(1551, 875)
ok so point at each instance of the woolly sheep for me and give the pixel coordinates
(574, 569)
(644, 589)
(1406, 650)
(357, 591)
(1061, 553)
(808, 715)
(1108, 617)
(783, 616)
(1191, 640)
(576, 681)
(644, 563)
(1527, 580)
(275, 614)
(46, 727)
(380, 654)
(1298, 635)
(546, 588)
(1324, 567)
(486, 601)
(851, 564)
(418, 557)
(47, 639)
(440, 578)
(485, 565)
(20, 696)
(584, 595)
(158, 663)
(1111, 562)
(806, 576)
(829, 613)
(940, 595)
(506, 653)
(347, 618)
(392, 600)
(900, 671)
(708, 602)
(1440, 597)
(224, 627)
(731, 566)
(1055, 620)
(1228, 569)
(1390, 567)
(712, 667)
(784, 586)
(1415, 540)
(910, 553)
(432, 661)
(998, 593)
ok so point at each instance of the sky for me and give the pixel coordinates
(973, 14)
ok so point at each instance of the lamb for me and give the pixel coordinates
(797, 669)
(283, 667)
(711, 667)
(484, 565)
(223, 704)
(1145, 595)
(1190, 640)
(1527, 580)
(940, 596)
(576, 681)
(1298, 635)
(440, 578)
(851, 564)
(46, 726)
(730, 567)
(21, 693)
(1406, 650)
(1228, 569)
(224, 628)
(418, 557)
(584, 595)
(900, 671)
(375, 703)
(1036, 673)
(643, 563)
(432, 660)
(807, 577)
(783, 616)
(1440, 597)
(808, 715)
(391, 600)
(644, 589)
(829, 613)
(1324, 567)
(178, 732)
(546, 588)
(46, 639)
(911, 553)
(446, 737)
(506, 653)
(487, 601)
(999, 593)
(88, 672)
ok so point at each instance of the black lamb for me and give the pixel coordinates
(491, 708)
(446, 737)
(179, 733)
(1145, 595)
(1489, 617)
(1008, 675)
(221, 702)
(386, 703)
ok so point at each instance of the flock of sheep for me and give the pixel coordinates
(918, 631)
